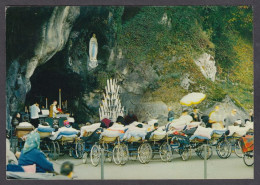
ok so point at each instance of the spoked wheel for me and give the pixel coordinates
(53, 152)
(238, 150)
(95, 155)
(200, 151)
(145, 153)
(79, 150)
(58, 148)
(166, 152)
(108, 153)
(85, 158)
(70, 152)
(124, 154)
(248, 158)
(185, 153)
(224, 149)
(116, 154)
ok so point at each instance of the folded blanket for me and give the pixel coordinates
(45, 129)
(238, 130)
(193, 124)
(219, 132)
(135, 132)
(152, 122)
(25, 124)
(89, 128)
(111, 133)
(204, 132)
(249, 125)
(65, 131)
(198, 137)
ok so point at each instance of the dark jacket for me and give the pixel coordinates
(193, 117)
(130, 119)
(37, 157)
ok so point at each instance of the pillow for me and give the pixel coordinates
(45, 129)
(204, 132)
(67, 133)
(25, 124)
(29, 168)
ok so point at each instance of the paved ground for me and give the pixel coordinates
(231, 168)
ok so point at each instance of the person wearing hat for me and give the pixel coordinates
(215, 119)
(195, 115)
(232, 119)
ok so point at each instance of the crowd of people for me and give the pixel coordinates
(32, 159)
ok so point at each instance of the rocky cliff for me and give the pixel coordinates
(155, 59)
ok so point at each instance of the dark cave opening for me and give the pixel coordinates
(49, 78)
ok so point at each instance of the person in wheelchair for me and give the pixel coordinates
(155, 127)
(31, 154)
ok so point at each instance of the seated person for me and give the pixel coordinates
(66, 130)
(215, 119)
(31, 154)
(155, 127)
(120, 120)
(105, 123)
(130, 117)
(195, 115)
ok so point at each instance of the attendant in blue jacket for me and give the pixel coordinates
(31, 154)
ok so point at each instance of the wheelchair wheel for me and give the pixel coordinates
(116, 154)
(58, 148)
(238, 149)
(185, 153)
(145, 153)
(201, 152)
(223, 149)
(85, 158)
(53, 151)
(79, 148)
(248, 158)
(166, 152)
(124, 154)
(95, 155)
(108, 153)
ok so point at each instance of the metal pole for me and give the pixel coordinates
(205, 161)
(102, 164)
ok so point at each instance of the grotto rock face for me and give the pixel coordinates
(51, 38)
(66, 31)
(54, 36)
(206, 63)
(152, 110)
(225, 107)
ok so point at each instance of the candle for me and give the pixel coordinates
(60, 98)
(108, 89)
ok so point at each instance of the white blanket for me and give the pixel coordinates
(135, 132)
(238, 130)
(204, 132)
(25, 124)
(89, 128)
(249, 125)
(193, 124)
(56, 134)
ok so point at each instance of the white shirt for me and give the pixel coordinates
(34, 111)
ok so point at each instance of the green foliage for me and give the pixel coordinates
(185, 33)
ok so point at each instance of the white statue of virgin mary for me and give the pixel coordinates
(93, 50)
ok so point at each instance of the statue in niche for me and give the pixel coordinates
(93, 50)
